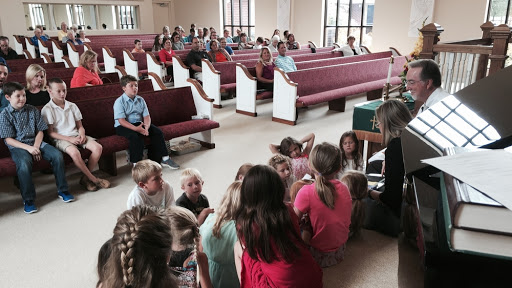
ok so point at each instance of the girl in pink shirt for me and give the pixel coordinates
(295, 150)
(328, 204)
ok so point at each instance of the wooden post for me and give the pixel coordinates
(500, 36)
(484, 59)
(431, 34)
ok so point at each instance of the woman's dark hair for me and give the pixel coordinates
(356, 155)
(286, 144)
(263, 216)
(156, 44)
(174, 34)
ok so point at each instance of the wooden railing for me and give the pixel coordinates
(464, 62)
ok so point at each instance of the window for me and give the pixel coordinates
(36, 14)
(239, 14)
(498, 12)
(80, 13)
(127, 17)
(348, 17)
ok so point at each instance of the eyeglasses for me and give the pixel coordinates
(412, 82)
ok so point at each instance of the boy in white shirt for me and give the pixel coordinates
(151, 188)
(65, 128)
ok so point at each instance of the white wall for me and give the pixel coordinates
(308, 21)
(266, 18)
(204, 13)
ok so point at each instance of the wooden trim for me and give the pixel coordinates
(218, 106)
(312, 44)
(27, 54)
(290, 82)
(43, 42)
(129, 54)
(366, 49)
(336, 45)
(210, 65)
(153, 58)
(393, 49)
(68, 62)
(246, 71)
(158, 80)
(88, 46)
(279, 120)
(72, 46)
(246, 113)
(121, 69)
(472, 49)
(47, 57)
(57, 45)
(203, 144)
(29, 40)
(18, 39)
(109, 52)
(179, 61)
(199, 88)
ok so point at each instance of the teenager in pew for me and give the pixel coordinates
(36, 86)
(264, 217)
(132, 120)
(192, 199)
(358, 186)
(187, 260)
(328, 204)
(294, 149)
(218, 235)
(138, 47)
(141, 248)
(351, 159)
(86, 74)
(383, 209)
(242, 171)
(283, 166)
(64, 122)
(151, 188)
(22, 130)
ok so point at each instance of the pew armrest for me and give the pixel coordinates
(394, 52)
(109, 60)
(154, 66)
(246, 86)
(157, 82)
(284, 106)
(131, 66)
(181, 72)
(211, 82)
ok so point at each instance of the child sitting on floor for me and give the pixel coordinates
(65, 128)
(328, 204)
(351, 159)
(192, 199)
(132, 121)
(358, 186)
(283, 167)
(242, 171)
(151, 188)
(293, 149)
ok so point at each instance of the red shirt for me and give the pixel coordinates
(82, 77)
(166, 56)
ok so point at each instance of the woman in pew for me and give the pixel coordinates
(291, 44)
(217, 54)
(157, 44)
(265, 70)
(383, 209)
(350, 49)
(166, 55)
(176, 42)
(36, 86)
(87, 73)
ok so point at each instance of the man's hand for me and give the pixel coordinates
(141, 129)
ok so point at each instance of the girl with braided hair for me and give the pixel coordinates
(188, 263)
(141, 248)
(328, 204)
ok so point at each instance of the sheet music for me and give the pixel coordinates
(489, 171)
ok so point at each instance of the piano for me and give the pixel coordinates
(478, 116)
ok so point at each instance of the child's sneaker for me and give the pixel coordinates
(30, 207)
(171, 164)
(66, 197)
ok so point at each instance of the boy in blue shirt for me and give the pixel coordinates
(132, 121)
(21, 127)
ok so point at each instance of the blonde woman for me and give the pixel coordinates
(265, 70)
(383, 209)
(36, 86)
(86, 74)
(218, 234)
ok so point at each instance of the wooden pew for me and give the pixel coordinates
(105, 90)
(247, 82)
(324, 84)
